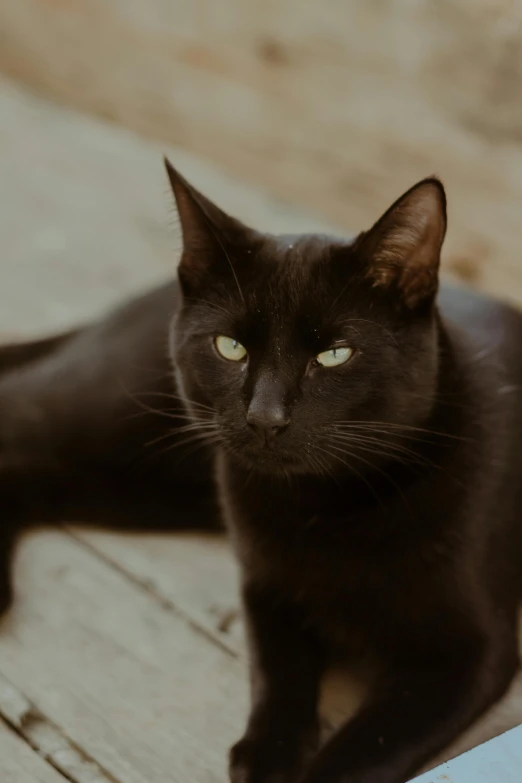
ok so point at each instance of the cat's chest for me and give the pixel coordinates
(315, 554)
(312, 563)
(367, 580)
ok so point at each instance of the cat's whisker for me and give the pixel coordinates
(375, 467)
(380, 431)
(398, 453)
(176, 398)
(391, 458)
(191, 416)
(395, 426)
(378, 447)
(198, 424)
(216, 440)
(392, 425)
(194, 427)
(386, 448)
(203, 438)
(350, 467)
(249, 476)
(165, 412)
(324, 470)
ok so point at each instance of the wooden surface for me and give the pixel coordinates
(337, 107)
(18, 762)
(123, 659)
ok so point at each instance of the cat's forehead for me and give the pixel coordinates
(303, 250)
(295, 271)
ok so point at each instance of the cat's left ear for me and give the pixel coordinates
(402, 250)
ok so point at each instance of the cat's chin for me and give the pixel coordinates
(274, 463)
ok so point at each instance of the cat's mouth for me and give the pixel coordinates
(273, 459)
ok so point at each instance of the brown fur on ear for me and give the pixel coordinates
(403, 247)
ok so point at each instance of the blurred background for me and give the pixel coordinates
(331, 107)
(292, 115)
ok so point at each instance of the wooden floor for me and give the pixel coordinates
(123, 659)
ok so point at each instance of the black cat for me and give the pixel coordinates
(367, 445)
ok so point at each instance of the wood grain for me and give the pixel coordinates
(47, 739)
(126, 680)
(198, 576)
(19, 764)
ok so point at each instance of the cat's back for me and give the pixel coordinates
(488, 334)
(487, 338)
(493, 328)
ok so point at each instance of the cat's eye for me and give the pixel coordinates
(229, 348)
(334, 357)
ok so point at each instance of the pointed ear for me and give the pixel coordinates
(402, 250)
(209, 234)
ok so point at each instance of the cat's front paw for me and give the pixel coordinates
(268, 759)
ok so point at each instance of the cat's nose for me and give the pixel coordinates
(267, 422)
(267, 414)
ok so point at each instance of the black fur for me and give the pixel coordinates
(375, 504)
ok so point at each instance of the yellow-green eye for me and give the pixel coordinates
(335, 356)
(230, 349)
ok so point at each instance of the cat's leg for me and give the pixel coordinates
(413, 713)
(87, 430)
(103, 498)
(286, 665)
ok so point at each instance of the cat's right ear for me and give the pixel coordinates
(210, 237)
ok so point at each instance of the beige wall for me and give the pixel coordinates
(335, 105)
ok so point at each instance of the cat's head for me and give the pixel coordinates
(296, 351)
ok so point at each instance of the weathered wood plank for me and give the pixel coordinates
(122, 677)
(20, 764)
(174, 568)
(337, 109)
(47, 739)
(196, 573)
